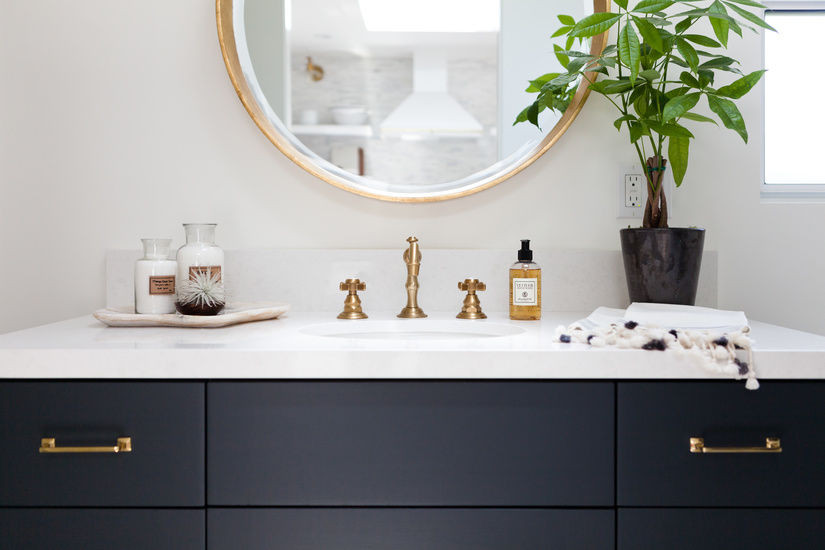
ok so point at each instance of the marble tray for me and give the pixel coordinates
(233, 315)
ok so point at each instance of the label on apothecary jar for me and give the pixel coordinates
(164, 284)
(525, 292)
(208, 270)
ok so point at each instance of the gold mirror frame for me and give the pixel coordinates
(226, 36)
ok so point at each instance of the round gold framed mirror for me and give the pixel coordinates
(399, 101)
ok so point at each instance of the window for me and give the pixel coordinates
(794, 111)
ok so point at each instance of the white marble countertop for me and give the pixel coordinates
(286, 349)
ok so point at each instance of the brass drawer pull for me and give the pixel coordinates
(772, 445)
(124, 445)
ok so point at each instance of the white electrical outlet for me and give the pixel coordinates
(633, 190)
(632, 193)
(631, 196)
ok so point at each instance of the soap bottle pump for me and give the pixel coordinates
(525, 286)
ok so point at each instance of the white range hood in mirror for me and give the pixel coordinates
(429, 111)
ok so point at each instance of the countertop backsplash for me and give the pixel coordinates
(572, 280)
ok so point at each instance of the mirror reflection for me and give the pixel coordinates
(402, 95)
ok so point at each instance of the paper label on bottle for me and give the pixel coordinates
(164, 284)
(208, 270)
(525, 292)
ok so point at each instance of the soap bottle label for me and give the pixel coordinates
(524, 292)
(161, 285)
(208, 270)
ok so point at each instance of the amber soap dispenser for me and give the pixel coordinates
(525, 286)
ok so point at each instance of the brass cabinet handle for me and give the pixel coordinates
(124, 445)
(772, 445)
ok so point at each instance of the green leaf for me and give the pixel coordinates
(679, 105)
(629, 51)
(755, 19)
(658, 21)
(698, 118)
(684, 25)
(563, 59)
(576, 64)
(611, 86)
(560, 81)
(640, 105)
(705, 77)
(729, 114)
(689, 80)
(650, 74)
(575, 53)
(720, 25)
(626, 118)
(622, 3)
(688, 52)
(678, 149)
(594, 24)
(533, 114)
(561, 31)
(536, 85)
(649, 33)
(702, 40)
(721, 63)
(637, 131)
(740, 87)
(652, 6)
(670, 130)
(567, 20)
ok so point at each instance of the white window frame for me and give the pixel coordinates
(787, 193)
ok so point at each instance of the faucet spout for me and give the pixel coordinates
(412, 257)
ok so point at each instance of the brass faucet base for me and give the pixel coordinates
(352, 315)
(352, 303)
(472, 305)
(471, 315)
(412, 313)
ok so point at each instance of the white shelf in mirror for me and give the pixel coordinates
(332, 130)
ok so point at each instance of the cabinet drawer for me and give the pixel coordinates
(165, 422)
(82, 529)
(657, 420)
(410, 529)
(410, 444)
(721, 529)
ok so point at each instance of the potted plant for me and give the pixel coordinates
(656, 74)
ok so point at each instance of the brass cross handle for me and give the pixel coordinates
(353, 285)
(352, 303)
(471, 285)
(471, 308)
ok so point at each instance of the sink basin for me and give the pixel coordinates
(412, 330)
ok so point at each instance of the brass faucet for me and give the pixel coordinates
(471, 308)
(352, 303)
(412, 257)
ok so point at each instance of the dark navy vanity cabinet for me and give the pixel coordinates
(411, 465)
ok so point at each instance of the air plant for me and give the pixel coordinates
(202, 294)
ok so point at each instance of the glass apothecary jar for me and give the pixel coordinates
(200, 271)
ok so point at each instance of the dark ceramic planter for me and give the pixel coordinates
(662, 265)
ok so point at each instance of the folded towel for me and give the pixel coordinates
(715, 339)
(676, 316)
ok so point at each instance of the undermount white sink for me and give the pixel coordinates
(418, 329)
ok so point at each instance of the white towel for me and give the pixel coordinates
(688, 317)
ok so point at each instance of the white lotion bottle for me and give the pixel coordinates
(200, 253)
(155, 278)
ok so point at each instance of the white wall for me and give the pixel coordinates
(117, 121)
